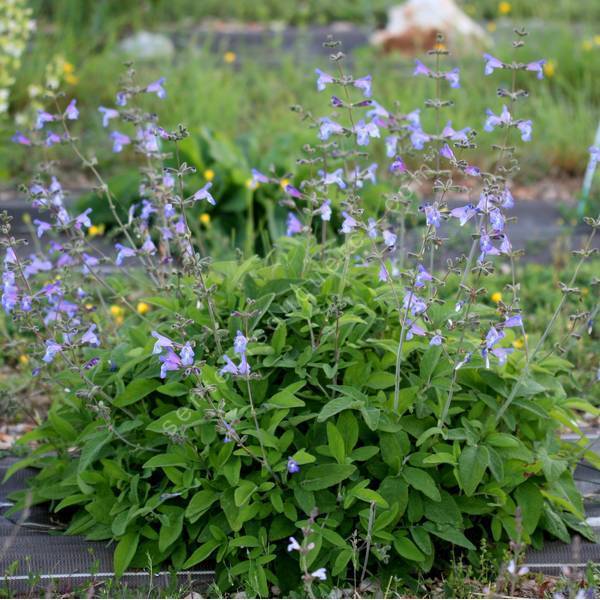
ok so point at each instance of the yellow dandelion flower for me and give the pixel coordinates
(496, 297)
(229, 57)
(116, 311)
(491, 26)
(440, 46)
(284, 183)
(549, 68)
(142, 308)
(504, 8)
(24, 359)
(518, 344)
(95, 230)
(209, 174)
(204, 218)
(68, 68)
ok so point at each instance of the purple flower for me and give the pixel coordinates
(323, 79)
(454, 135)
(336, 102)
(422, 276)
(335, 177)
(231, 367)
(446, 152)
(122, 98)
(10, 291)
(389, 238)
(119, 140)
(525, 127)
(156, 87)
(436, 340)
(37, 265)
(292, 191)
(594, 153)
(398, 165)
(372, 228)
(147, 140)
(377, 111)
(320, 574)
(420, 68)
(71, 111)
(537, 66)
(52, 139)
(383, 273)
(107, 115)
(148, 246)
(501, 354)
(325, 210)
(124, 252)
(293, 545)
(20, 138)
(413, 303)
(83, 220)
(292, 466)
(365, 131)
(514, 321)
(418, 138)
(43, 117)
(486, 246)
(413, 330)
(494, 121)
(170, 362)
(90, 337)
(204, 194)
(327, 127)
(187, 355)
(294, 225)
(240, 343)
(433, 217)
(492, 63)
(464, 361)
(473, 171)
(349, 223)
(464, 213)
(161, 342)
(42, 227)
(453, 77)
(89, 262)
(505, 245)
(52, 349)
(391, 143)
(364, 84)
(258, 177)
(507, 198)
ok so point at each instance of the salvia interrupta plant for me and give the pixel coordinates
(348, 385)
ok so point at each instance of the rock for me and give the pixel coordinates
(145, 45)
(413, 27)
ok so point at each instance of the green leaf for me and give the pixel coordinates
(244, 492)
(173, 389)
(333, 407)
(336, 443)
(381, 380)
(472, 464)
(170, 529)
(165, 460)
(286, 398)
(529, 498)
(371, 415)
(136, 390)
(450, 534)
(553, 468)
(341, 562)
(422, 481)
(176, 420)
(125, 551)
(502, 440)
(407, 549)
(201, 553)
(429, 361)
(324, 476)
(201, 501)
(367, 495)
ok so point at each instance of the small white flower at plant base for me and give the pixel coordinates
(293, 545)
(320, 574)
(512, 569)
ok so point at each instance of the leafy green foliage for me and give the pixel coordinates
(153, 471)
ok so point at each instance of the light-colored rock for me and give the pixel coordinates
(145, 45)
(413, 27)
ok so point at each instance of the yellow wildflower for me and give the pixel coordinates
(496, 297)
(491, 26)
(116, 311)
(229, 57)
(585, 291)
(204, 218)
(142, 308)
(24, 359)
(68, 68)
(504, 8)
(89, 306)
(518, 344)
(119, 320)
(95, 230)
(284, 183)
(549, 68)
(209, 174)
